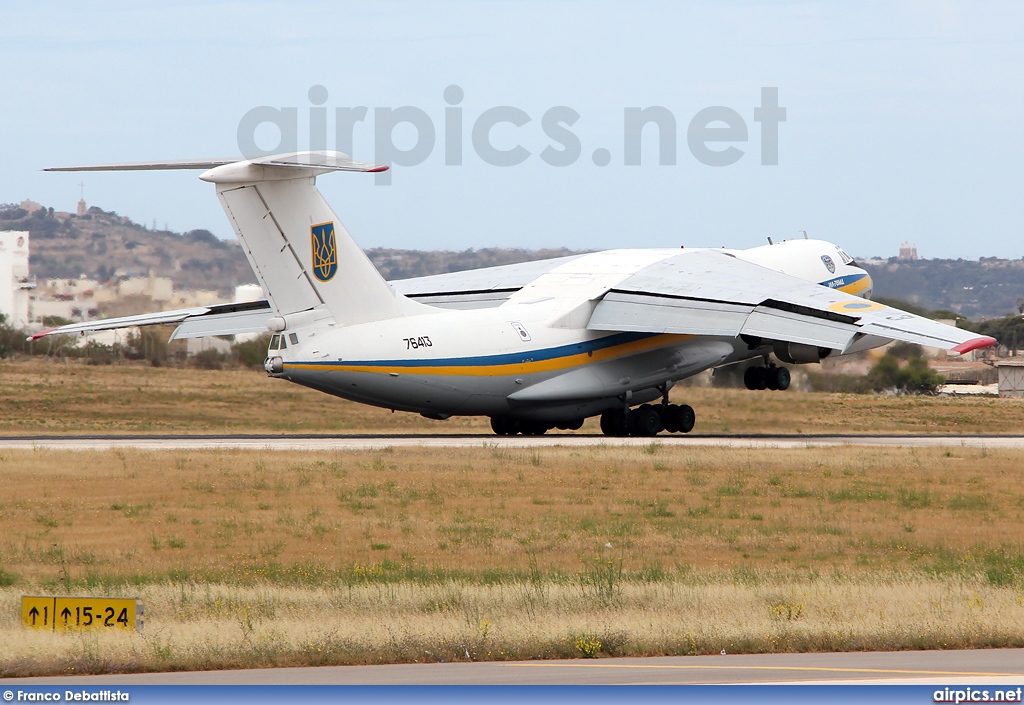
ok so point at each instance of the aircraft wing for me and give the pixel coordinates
(709, 292)
(476, 288)
(196, 322)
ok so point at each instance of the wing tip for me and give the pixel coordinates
(982, 341)
(41, 334)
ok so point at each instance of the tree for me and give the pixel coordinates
(905, 351)
(915, 377)
(148, 344)
(253, 352)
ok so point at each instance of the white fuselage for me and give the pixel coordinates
(532, 356)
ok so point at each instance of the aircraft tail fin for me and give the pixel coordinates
(302, 255)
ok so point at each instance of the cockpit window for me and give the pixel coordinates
(275, 342)
(845, 257)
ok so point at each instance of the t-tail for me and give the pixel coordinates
(302, 255)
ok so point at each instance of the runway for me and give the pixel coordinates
(322, 442)
(981, 667)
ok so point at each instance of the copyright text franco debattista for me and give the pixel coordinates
(69, 696)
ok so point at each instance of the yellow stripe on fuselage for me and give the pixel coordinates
(857, 287)
(514, 368)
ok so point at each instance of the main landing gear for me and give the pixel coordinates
(768, 377)
(508, 426)
(648, 420)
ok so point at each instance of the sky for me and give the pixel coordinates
(904, 120)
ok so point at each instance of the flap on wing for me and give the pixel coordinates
(646, 313)
(775, 324)
(226, 323)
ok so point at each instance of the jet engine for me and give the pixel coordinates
(798, 353)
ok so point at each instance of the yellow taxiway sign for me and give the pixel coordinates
(75, 613)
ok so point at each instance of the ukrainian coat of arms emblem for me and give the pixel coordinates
(325, 251)
(829, 263)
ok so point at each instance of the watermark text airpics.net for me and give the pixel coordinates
(715, 136)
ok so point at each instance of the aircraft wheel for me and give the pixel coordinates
(502, 426)
(753, 378)
(771, 380)
(670, 418)
(762, 378)
(613, 423)
(657, 413)
(781, 378)
(571, 425)
(534, 428)
(645, 421)
(687, 418)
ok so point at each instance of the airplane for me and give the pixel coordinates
(534, 346)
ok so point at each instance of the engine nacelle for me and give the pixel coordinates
(798, 353)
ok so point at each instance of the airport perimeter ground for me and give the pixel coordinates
(249, 558)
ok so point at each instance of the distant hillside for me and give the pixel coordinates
(988, 288)
(100, 244)
(404, 264)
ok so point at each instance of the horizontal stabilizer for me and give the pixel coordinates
(148, 166)
(333, 161)
(220, 319)
(322, 161)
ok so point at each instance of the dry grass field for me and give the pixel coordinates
(207, 627)
(52, 397)
(248, 558)
(277, 558)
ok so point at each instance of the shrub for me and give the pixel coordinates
(209, 359)
(251, 353)
(148, 344)
(915, 377)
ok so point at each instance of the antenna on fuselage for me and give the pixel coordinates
(805, 235)
(770, 241)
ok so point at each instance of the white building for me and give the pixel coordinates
(157, 288)
(1011, 377)
(15, 280)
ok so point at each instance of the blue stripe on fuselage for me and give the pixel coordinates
(840, 282)
(504, 358)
